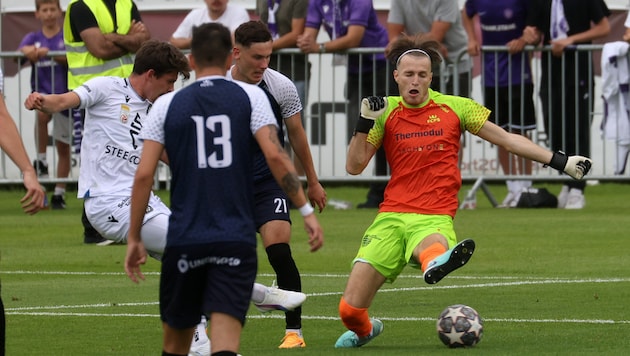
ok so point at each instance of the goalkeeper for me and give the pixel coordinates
(420, 131)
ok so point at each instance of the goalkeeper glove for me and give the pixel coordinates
(575, 166)
(371, 108)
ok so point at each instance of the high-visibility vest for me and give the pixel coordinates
(82, 65)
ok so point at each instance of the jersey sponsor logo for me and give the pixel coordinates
(423, 133)
(431, 147)
(127, 98)
(112, 219)
(184, 264)
(499, 28)
(118, 152)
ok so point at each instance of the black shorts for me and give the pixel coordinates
(204, 279)
(270, 202)
(498, 100)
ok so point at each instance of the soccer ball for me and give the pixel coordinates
(459, 326)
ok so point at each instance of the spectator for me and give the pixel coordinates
(615, 72)
(567, 81)
(353, 24)
(441, 21)
(414, 224)
(508, 88)
(252, 50)
(49, 75)
(228, 14)
(100, 38)
(212, 196)
(626, 34)
(285, 20)
(11, 143)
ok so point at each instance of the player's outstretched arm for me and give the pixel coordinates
(285, 174)
(52, 103)
(575, 166)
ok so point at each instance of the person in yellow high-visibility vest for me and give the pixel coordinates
(100, 37)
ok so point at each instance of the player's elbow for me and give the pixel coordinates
(353, 168)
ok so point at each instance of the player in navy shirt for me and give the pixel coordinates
(207, 130)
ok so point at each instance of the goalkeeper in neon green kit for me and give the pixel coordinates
(420, 131)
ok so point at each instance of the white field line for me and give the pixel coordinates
(511, 281)
(315, 275)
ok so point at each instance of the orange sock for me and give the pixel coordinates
(430, 253)
(355, 319)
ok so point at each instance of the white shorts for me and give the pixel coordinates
(110, 217)
(62, 128)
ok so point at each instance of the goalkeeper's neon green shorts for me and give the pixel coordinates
(388, 243)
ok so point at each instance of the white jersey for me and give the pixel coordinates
(110, 149)
(282, 89)
(262, 115)
(234, 16)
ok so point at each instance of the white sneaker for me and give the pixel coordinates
(575, 199)
(510, 199)
(200, 343)
(280, 299)
(563, 197)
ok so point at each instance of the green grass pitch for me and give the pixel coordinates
(546, 282)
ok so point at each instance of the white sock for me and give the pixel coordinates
(42, 157)
(525, 184)
(511, 185)
(59, 191)
(298, 331)
(258, 293)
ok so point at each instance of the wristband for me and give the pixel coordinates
(306, 209)
(558, 161)
(363, 125)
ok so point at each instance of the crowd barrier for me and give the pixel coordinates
(325, 120)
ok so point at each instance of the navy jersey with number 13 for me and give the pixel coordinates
(211, 123)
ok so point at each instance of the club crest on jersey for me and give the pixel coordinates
(124, 113)
(433, 119)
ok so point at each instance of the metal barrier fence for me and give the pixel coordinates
(329, 115)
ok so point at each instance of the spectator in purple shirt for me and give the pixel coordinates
(50, 76)
(567, 77)
(351, 24)
(508, 88)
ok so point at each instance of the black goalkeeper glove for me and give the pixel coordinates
(371, 108)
